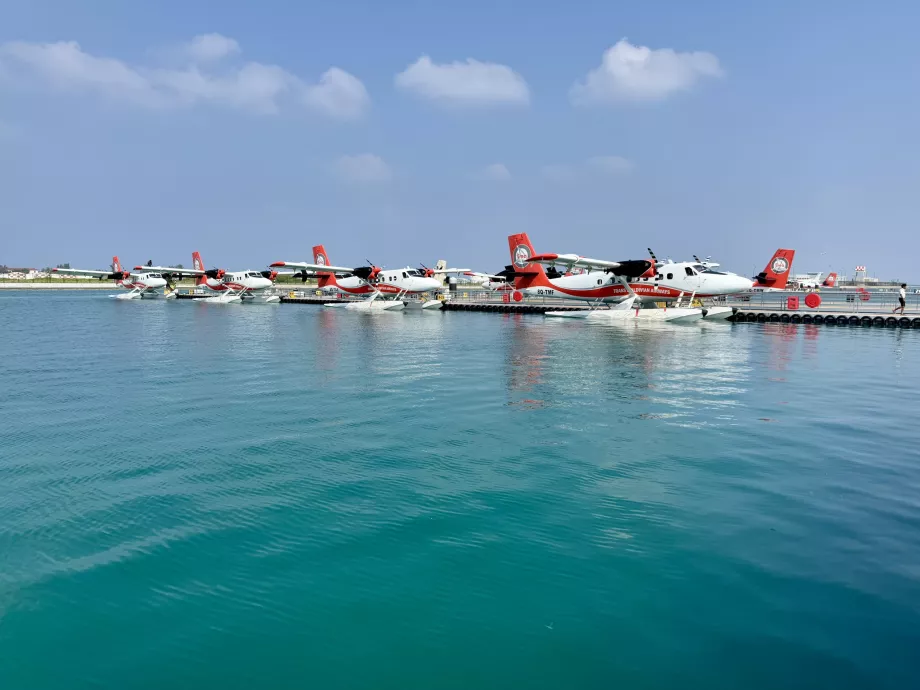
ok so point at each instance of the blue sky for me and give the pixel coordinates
(600, 128)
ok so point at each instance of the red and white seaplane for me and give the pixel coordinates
(635, 283)
(384, 289)
(229, 286)
(144, 282)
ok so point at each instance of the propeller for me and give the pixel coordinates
(631, 268)
(429, 273)
(271, 275)
(552, 272)
(368, 273)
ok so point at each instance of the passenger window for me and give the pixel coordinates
(670, 276)
(599, 281)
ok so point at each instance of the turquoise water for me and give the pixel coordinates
(280, 496)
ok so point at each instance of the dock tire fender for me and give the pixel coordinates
(842, 320)
(774, 318)
(808, 318)
(904, 322)
(761, 317)
(796, 318)
(865, 321)
(878, 321)
(853, 320)
(751, 318)
(785, 318)
(915, 323)
(891, 322)
(819, 319)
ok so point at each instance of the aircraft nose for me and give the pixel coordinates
(742, 284)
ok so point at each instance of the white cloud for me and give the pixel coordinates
(496, 172)
(611, 164)
(469, 83)
(251, 86)
(211, 47)
(338, 94)
(638, 73)
(364, 167)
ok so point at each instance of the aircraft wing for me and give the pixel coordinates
(81, 272)
(453, 270)
(168, 269)
(316, 268)
(572, 260)
(478, 274)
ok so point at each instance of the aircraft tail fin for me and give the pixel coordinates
(525, 274)
(320, 256)
(831, 280)
(116, 265)
(198, 265)
(776, 273)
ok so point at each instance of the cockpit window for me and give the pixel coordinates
(689, 271)
(405, 275)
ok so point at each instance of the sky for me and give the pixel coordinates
(405, 132)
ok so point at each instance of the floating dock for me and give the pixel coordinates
(834, 312)
(508, 307)
(828, 318)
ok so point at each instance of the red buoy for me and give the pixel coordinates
(517, 296)
(813, 300)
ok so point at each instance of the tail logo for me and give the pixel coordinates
(521, 254)
(320, 260)
(779, 265)
(197, 265)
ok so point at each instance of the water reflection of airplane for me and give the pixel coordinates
(526, 353)
(230, 286)
(144, 282)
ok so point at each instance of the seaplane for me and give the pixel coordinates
(468, 279)
(383, 290)
(812, 281)
(229, 286)
(145, 282)
(639, 281)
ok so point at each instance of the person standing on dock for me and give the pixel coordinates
(902, 299)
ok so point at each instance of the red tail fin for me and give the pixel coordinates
(831, 280)
(525, 274)
(116, 265)
(776, 274)
(198, 265)
(321, 257)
